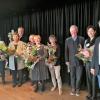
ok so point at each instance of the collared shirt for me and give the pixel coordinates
(74, 38)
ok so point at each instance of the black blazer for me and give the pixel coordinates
(95, 58)
(24, 38)
(71, 48)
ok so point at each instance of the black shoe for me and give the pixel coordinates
(20, 84)
(88, 98)
(94, 98)
(14, 85)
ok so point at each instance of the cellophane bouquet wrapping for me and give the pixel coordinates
(31, 56)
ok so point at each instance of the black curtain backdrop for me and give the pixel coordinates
(54, 21)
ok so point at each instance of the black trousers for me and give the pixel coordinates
(91, 81)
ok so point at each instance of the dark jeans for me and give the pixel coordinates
(75, 74)
(2, 70)
(15, 78)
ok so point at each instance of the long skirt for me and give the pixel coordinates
(40, 72)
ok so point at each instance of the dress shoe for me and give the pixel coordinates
(94, 98)
(88, 97)
(14, 85)
(20, 84)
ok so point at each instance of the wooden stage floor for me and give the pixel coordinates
(7, 92)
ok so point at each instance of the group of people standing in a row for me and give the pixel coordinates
(39, 73)
(48, 59)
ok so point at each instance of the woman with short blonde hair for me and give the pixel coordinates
(40, 70)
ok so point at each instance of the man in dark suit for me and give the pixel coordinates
(23, 38)
(72, 44)
(95, 66)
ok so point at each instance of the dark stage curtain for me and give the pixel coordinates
(48, 22)
(54, 21)
(82, 14)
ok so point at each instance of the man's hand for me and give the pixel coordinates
(67, 63)
(68, 67)
(92, 71)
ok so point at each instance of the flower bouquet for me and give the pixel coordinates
(51, 51)
(3, 51)
(31, 57)
(11, 50)
(85, 54)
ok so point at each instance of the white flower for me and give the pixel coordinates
(87, 44)
(10, 34)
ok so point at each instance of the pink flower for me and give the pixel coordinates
(86, 53)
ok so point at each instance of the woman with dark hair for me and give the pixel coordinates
(89, 46)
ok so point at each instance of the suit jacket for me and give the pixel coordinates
(95, 58)
(71, 48)
(24, 38)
